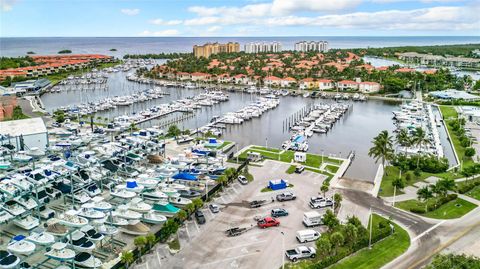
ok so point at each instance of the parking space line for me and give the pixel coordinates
(196, 226)
(211, 214)
(231, 258)
(244, 245)
(188, 233)
(158, 258)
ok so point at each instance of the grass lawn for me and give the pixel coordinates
(451, 210)
(291, 169)
(474, 193)
(448, 112)
(381, 253)
(174, 244)
(331, 168)
(266, 149)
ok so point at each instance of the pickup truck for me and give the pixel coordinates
(300, 252)
(320, 203)
(286, 196)
(268, 222)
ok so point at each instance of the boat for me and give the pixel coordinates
(122, 193)
(21, 157)
(27, 223)
(41, 237)
(18, 245)
(80, 242)
(28, 202)
(153, 217)
(57, 229)
(4, 164)
(81, 197)
(135, 228)
(91, 233)
(60, 252)
(71, 219)
(90, 213)
(13, 208)
(116, 221)
(147, 182)
(85, 259)
(101, 205)
(138, 205)
(165, 209)
(154, 195)
(8, 260)
(179, 201)
(124, 213)
(7, 187)
(5, 216)
(107, 229)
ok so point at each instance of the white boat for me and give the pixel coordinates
(13, 208)
(135, 228)
(81, 197)
(101, 205)
(138, 205)
(4, 164)
(60, 252)
(90, 213)
(21, 157)
(40, 237)
(147, 182)
(179, 201)
(169, 191)
(7, 187)
(29, 203)
(71, 219)
(87, 260)
(116, 221)
(5, 216)
(27, 223)
(153, 217)
(57, 229)
(154, 195)
(22, 183)
(80, 242)
(107, 229)
(132, 186)
(123, 212)
(91, 233)
(8, 260)
(18, 245)
(122, 193)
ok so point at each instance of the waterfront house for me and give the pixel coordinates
(368, 87)
(287, 82)
(183, 76)
(240, 79)
(307, 83)
(325, 84)
(272, 81)
(199, 76)
(345, 85)
(224, 78)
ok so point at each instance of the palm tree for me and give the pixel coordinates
(397, 183)
(424, 194)
(127, 258)
(419, 139)
(402, 138)
(151, 239)
(337, 199)
(324, 189)
(382, 147)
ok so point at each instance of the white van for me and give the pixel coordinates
(312, 218)
(304, 236)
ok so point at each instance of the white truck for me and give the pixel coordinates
(300, 252)
(312, 218)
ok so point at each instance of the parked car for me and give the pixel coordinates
(214, 208)
(300, 252)
(279, 212)
(299, 169)
(286, 196)
(268, 222)
(320, 203)
(243, 180)
(200, 217)
(304, 236)
(259, 203)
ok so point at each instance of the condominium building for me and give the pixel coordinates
(213, 48)
(311, 46)
(257, 47)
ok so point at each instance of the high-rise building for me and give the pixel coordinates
(256, 47)
(311, 46)
(213, 48)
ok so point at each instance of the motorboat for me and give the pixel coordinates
(27, 223)
(107, 229)
(22, 183)
(132, 186)
(122, 194)
(71, 219)
(123, 212)
(93, 190)
(5, 216)
(60, 252)
(154, 195)
(91, 233)
(153, 217)
(28, 202)
(7, 187)
(82, 197)
(138, 205)
(14, 208)
(189, 193)
(147, 182)
(85, 259)
(101, 205)
(169, 191)
(8, 260)
(116, 221)
(4, 164)
(165, 209)
(21, 157)
(41, 237)
(179, 201)
(87, 211)
(135, 228)
(57, 229)
(80, 242)
(18, 245)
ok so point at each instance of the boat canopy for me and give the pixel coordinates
(185, 176)
(165, 208)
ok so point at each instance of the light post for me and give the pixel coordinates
(371, 225)
(283, 250)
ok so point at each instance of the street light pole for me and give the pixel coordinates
(283, 250)
(371, 225)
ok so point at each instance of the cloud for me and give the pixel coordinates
(168, 32)
(7, 5)
(162, 22)
(130, 12)
(213, 29)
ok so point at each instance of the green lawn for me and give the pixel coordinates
(291, 169)
(331, 168)
(451, 210)
(474, 193)
(448, 112)
(381, 253)
(266, 149)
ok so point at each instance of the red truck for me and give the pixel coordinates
(268, 222)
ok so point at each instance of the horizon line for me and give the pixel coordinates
(239, 36)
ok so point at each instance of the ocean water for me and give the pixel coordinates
(19, 46)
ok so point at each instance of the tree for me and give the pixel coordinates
(398, 183)
(324, 189)
(351, 234)
(337, 240)
(173, 131)
(140, 242)
(151, 239)
(403, 139)
(182, 215)
(469, 152)
(197, 202)
(445, 185)
(449, 261)
(127, 258)
(382, 147)
(330, 220)
(324, 246)
(424, 194)
(337, 199)
(419, 139)
(189, 208)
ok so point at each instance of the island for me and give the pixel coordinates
(64, 52)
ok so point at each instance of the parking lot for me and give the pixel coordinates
(207, 246)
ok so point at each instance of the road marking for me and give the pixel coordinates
(429, 230)
(188, 233)
(231, 258)
(234, 190)
(211, 214)
(196, 226)
(221, 197)
(244, 245)
(158, 258)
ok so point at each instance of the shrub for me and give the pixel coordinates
(417, 172)
(417, 210)
(408, 177)
(469, 152)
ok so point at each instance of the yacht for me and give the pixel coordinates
(153, 217)
(60, 252)
(40, 237)
(138, 205)
(18, 245)
(27, 223)
(71, 219)
(87, 260)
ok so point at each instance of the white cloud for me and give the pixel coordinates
(130, 12)
(213, 29)
(168, 32)
(162, 22)
(7, 5)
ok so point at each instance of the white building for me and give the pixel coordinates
(257, 47)
(305, 46)
(29, 132)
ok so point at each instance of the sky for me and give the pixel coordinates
(133, 18)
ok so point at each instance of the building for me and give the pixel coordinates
(345, 85)
(272, 81)
(213, 48)
(325, 84)
(305, 46)
(259, 47)
(31, 85)
(438, 60)
(24, 134)
(287, 82)
(452, 94)
(368, 87)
